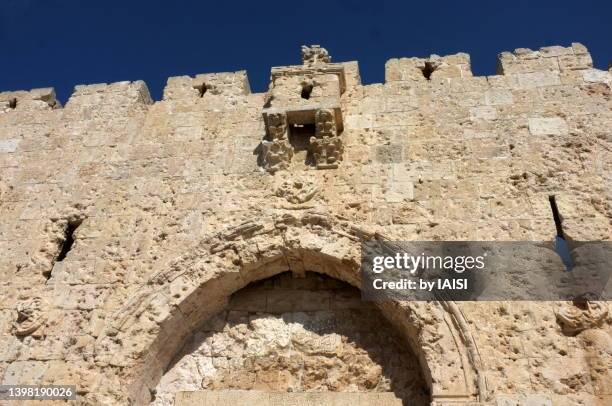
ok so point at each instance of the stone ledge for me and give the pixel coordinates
(257, 398)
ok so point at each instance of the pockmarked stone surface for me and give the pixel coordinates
(127, 224)
(285, 334)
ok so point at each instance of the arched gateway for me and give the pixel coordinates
(150, 330)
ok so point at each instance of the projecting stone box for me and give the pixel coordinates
(303, 116)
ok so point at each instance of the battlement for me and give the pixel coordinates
(115, 98)
(137, 89)
(549, 59)
(554, 58)
(35, 99)
(217, 84)
(434, 67)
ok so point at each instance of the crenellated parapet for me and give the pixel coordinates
(206, 85)
(36, 99)
(318, 81)
(424, 69)
(552, 58)
(108, 100)
(136, 91)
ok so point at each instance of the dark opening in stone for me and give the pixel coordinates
(556, 215)
(306, 91)
(428, 70)
(68, 239)
(12, 103)
(299, 138)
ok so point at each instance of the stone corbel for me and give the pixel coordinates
(326, 146)
(277, 152)
(325, 122)
(327, 151)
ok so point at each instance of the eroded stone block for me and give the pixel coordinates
(547, 126)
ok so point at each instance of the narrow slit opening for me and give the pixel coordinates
(556, 216)
(68, 239)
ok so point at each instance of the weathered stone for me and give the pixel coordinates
(9, 145)
(130, 227)
(547, 126)
(298, 351)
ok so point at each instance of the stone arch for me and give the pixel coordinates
(148, 331)
(290, 333)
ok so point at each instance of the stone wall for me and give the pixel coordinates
(170, 212)
(286, 334)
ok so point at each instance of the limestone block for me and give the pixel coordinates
(547, 126)
(524, 400)
(226, 83)
(34, 100)
(483, 113)
(180, 87)
(572, 379)
(601, 375)
(347, 299)
(574, 62)
(509, 63)
(594, 75)
(81, 297)
(65, 373)
(9, 145)
(250, 300)
(423, 69)
(557, 50)
(312, 344)
(498, 97)
(10, 346)
(25, 373)
(358, 121)
(538, 79)
(386, 154)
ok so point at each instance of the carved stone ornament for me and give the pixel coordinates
(581, 315)
(325, 122)
(297, 190)
(29, 316)
(277, 126)
(277, 152)
(314, 54)
(327, 151)
(277, 155)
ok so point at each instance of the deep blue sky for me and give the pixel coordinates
(62, 43)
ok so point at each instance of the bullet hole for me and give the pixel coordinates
(428, 69)
(306, 91)
(12, 103)
(68, 239)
